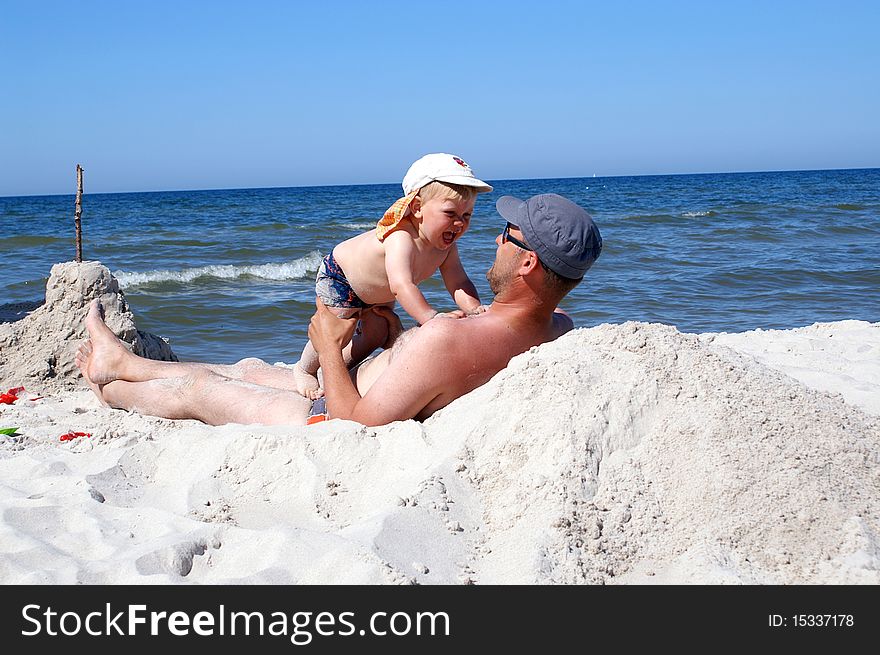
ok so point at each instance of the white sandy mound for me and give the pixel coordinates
(631, 450)
(839, 357)
(38, 351)
(621, 453)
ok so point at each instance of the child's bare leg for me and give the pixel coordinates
(305, 373)
(306, 369)
(373, 334)
(393, 327)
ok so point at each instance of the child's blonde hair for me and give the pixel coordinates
(445, 190)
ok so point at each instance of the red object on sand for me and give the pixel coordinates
(10, 396)
(70, 436)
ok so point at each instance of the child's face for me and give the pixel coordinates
(444, 220)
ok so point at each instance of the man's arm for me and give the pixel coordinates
(329, 334)
(457, 282)
(415, 376)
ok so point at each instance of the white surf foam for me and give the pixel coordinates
(297, 269)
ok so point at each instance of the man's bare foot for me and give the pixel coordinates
(307, 384)
(105, 358)
(83, 354)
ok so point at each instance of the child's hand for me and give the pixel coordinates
(479, 309)
(456, 313)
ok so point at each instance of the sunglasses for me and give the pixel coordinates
(505, 236)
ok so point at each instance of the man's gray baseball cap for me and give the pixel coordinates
(562, 234)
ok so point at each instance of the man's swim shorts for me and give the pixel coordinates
(317, 412)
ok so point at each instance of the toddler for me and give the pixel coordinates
(415, 237)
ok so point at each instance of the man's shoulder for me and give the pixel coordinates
(458, 339)
(439, 330)
(441, 340)
(562, 323)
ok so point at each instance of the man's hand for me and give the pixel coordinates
(327, 331)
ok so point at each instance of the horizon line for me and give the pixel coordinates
(511, 179)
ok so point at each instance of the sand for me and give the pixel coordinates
(39, 350)
(617, 454)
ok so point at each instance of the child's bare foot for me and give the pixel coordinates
(307, 384)
(103, 361)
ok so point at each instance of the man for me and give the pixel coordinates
(545, 249)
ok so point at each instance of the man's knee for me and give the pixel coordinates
(199, 383)
(250, 363)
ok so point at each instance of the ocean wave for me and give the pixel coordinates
(698, 214)
(313, 226)
(298, 269)
(357, 226)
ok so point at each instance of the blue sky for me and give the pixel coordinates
(198, 95)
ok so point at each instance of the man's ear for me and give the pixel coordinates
(528, 263)
(532, 274)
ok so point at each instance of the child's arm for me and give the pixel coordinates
(459, 285)
(400, 254)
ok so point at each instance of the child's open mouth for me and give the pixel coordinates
(449, 237)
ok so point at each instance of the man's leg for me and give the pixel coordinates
(208, 397)
(248, 392)
(104, 359)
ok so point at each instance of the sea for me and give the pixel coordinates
(228, 274)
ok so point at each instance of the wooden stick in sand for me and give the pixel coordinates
(78, 213)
